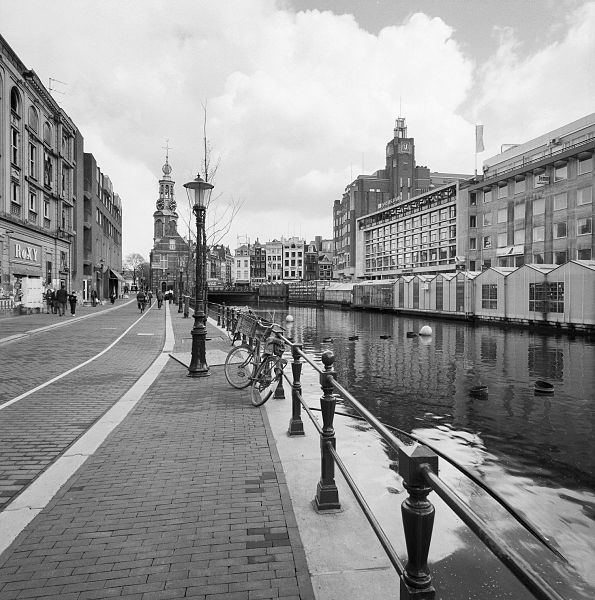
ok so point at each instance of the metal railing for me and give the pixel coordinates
(419, 468)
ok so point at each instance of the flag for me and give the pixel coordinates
(479, 139)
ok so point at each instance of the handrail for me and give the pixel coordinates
(418, 466)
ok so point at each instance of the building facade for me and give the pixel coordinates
(40, 188)
(415, 236)
(294, 250)
(534, 202)
(101, 234)
(242, 265)
(172, 257)
(258, 263)
(274, 260)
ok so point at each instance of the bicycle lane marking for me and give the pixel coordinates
(25, 507)
(58, 377)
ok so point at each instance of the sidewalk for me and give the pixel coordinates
(186, 498)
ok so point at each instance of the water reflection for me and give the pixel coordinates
(538, 451)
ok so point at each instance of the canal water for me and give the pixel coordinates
(537, 451)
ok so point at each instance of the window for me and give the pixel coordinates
(539, 206)
(472, 243)
(472, 199)
(487, 241)
(561, 172)
(48, 170)
(584, 254)
(502, 215)
(32, 202)
(172, 244)
(519, 236)
(537, 294)
(560, 201)
(560, 229)
(584, 196)
(489, 296)
(546, 297)
(538, 233)
(33, 119)
(584, 226)
(33, 161)
(15, 195)
(472, 221)
(46, 208)
(14, 145)
(520, 186)
(487, 219)
(47, 133)
(502, 191)
(560, 257)
(519, 210)
(487, 195)
(585, 165)
(15, 101)
(502, 239)
(538, 258)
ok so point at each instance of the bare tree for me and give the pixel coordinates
(134, 262)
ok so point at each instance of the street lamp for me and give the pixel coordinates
(199, 192)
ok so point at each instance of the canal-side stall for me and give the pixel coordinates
(404, 295)
(426, 302)
(525, 289)
(490, 296)
(378, 294)
(339, 294)
(571, 294)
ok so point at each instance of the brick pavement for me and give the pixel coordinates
(186, 498)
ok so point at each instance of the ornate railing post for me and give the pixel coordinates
(296, 426)
(327, 494)
(418, 521)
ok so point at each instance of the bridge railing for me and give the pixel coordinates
(419, 468)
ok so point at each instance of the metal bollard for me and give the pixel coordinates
(296, 426)
(327, 494)
(418, 521)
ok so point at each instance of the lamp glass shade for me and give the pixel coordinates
(198, 191)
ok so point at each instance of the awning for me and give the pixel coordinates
(510, 250)
(116, 275)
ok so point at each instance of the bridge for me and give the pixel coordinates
(232, 294)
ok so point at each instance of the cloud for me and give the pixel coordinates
(297, 102)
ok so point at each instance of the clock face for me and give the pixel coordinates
(160, 204)
(172, 205)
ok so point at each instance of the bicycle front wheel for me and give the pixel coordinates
(239, 366)
(265, 381)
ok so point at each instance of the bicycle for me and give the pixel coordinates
(269, 373)
(243, 360)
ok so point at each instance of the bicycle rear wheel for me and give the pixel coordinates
(239, 366)
(265, 381)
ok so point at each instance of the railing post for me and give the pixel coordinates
(219, 315)
(418, 521)
(279, 390)
(296, 426)
(327, 494)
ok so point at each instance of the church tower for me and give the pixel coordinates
(170, 254)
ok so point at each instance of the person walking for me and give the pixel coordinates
(112, 296)
(159, 299)
(61, 298)
(72, 299)
(150, 297)
(141, 300)
(49, 299)
(93, 298)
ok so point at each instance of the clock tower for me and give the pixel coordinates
(170, 254)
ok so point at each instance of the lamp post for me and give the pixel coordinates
(180, 299)
(198, 192)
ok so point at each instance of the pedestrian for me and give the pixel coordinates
(159, 299)
(141, 300)
(150, 296)
(93, 297)
(61, 298)
(72, 299)
(49, 299)
(112, 296)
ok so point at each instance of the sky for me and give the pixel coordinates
(298, 97)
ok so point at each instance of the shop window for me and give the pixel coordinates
(584, 196)
(489, 296)
(561, 201)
